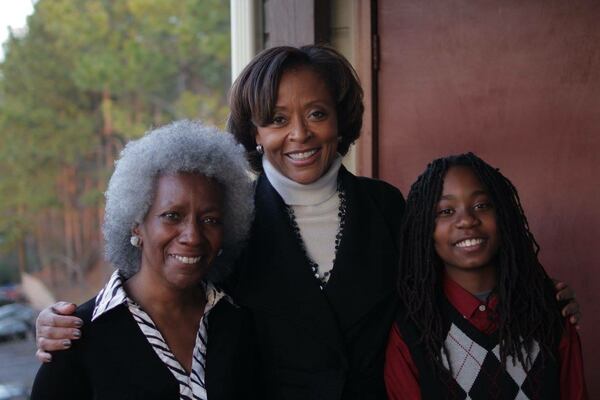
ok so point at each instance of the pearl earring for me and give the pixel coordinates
(135, 241)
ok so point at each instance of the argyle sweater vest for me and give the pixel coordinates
(476, 370)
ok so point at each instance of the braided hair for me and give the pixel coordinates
(527, 308)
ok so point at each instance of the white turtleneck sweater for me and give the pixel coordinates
(316, 206)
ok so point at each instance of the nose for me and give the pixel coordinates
(466, 219)
(299, 130)
(192, 234)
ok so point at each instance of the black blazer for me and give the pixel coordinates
(324, 344)
(114, 361)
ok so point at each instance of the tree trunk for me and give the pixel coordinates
(107, 127)
(22, 255)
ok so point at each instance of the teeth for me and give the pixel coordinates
(469, 242)
(187, 260)
(303, 155)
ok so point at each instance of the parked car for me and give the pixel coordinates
(11, 328)
(19, 311)
(10, 293)
(13, 392)
(16, 321)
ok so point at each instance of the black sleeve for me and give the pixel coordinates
(65, 377)
(254, 365)
(395, 209)
(233, 365)
(62, 379)
(388, 199)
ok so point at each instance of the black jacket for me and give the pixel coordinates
(114, 361)
(324, 344)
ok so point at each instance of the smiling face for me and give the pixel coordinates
(465, 235)
(182, 231)
(300, 141)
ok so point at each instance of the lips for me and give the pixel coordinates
(470, 242)
(186, 260)
(302, 155)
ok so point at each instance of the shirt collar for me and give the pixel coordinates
(298, 194)
(113, 294)
(464, 302)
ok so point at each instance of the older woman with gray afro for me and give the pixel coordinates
(180, 199)
(182, 146)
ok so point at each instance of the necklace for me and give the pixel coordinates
(342, 212)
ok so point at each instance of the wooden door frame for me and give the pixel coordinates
(367, 64)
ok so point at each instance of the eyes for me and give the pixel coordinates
(447, 211)
(278, 120)
(174, 217)
(318, 115)
(315, 115)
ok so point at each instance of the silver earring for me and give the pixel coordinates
(340, 138)
(135, 240)
(220, 252)
(259, 149)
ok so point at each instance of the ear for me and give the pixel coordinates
(136, 230)
(136, 233)
(254, 133)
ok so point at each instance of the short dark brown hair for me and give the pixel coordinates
(253, 95)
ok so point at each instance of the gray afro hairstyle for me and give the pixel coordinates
(182, 146)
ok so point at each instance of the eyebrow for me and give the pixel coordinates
(308, 104)
(475, 193)
(214, 209)
(208, 208)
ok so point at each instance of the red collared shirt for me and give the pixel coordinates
(401, 374)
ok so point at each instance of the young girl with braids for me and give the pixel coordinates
(479, 319)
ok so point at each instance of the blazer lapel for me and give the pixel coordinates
(279, 281)
(365, 267)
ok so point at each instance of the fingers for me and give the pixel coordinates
(572, 312)
(559, 285)
(59, 321)
(51, 338)
(570, 309)
(42, 356)
(565, 292)
(52, 316)
(574, 320)
(46, 344)
(55, 331)
(63, 308)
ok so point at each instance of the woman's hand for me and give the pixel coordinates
(571, 310)
(55, 328)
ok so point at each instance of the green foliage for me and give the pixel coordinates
(87, 76)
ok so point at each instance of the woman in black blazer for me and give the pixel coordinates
(323, 304)
(161, 328)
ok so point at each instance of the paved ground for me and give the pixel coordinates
(18, 364)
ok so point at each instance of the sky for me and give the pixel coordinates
(13, 13)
